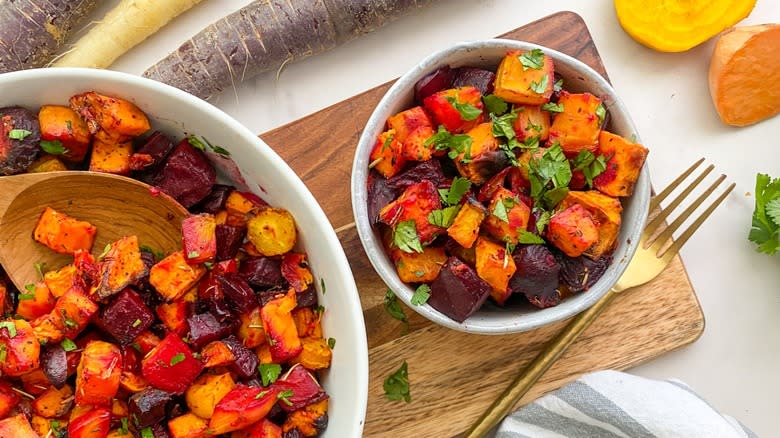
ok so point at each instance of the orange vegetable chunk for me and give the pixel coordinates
(279, 327)
(483, 158)
(457, 109)
(605, 212)
(61, 280)
(115, 158)
(496, 266)
(188, 425)
(46, 163)
(415, 204)
(251, 329)
(407, 121)
(110, 118)
(8, 399)
(17, 427)
(174, 316)
(532, 122)
(72, 312)
(241, 407)
(417, 267)
(120, 267)
(262, 429)
(465, 226)
(216, 354)
(98, 373)
(199, 237)
(62, 233)
(577, 127)
(54, 402)
(307, 322)
(517, 83)
(172, 276)
(92, 422)
(62, 124)
(35, 303)
(572, 230)
(315, 355)
(305, 420)
(170, 365)
(506, 221)
(623, 167)
(19, 349)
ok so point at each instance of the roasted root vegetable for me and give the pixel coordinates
(309, 421)
(54, 403)
(97, 377)
(605, 212)
(415, 204)
(577, 127)
(496, 266)
(19, 349)
(457, 109)
(8, 399)
(112, 120)
(572, 230)
(465, 227)
(204, 394)
(67, 132)
(279, 327)
(172, 276)
(742, 74)
(626, 159)
(89, 423)
(188, 425)
(241, 407)
(18, 427)
(125, 317)
(62, 233)
(120, 267)
(525, 78)
(199, 238)
(38, 301)
(315, 355)
(387, 155)
(415, 267)
(272, 231)
(19, 139)
(110, 157)
(170, 366)
(262, 429)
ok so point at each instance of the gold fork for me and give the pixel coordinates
(654, 252)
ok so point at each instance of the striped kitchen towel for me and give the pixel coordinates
(613, 404)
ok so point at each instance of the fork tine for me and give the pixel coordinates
(674, 248)
(661, 217)
(657, 199)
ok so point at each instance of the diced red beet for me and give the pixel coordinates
(458, 291)
(215, 200)
(379, 195)
(439, 80)
(160, 430)
(261, 271)
(148, 407)
(210, 293)
(186, 175)
(170, 365)
(536, 276)
(229, 240)
(307, 298)
(302, 388)
(125, 317)
(54, 364)
(429, 169)
(158, 146)
(580, 273)
(237, 291)
(479, 78)
(268, 295)
(17, 154)
(245, 365)
(204, 328)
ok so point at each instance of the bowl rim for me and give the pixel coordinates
(260, 147)
(375, 250)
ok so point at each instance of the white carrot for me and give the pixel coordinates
(125, 26)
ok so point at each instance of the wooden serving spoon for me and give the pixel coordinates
(118, 206)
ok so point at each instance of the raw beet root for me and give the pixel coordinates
(261, 271)
(245, 365)
(125, 317)
(458, 292)
(186, 175)
(479, 78)
(229, 240)
(237, 291)
(148, 406)
(439, 80)
(214, 201)
(430, 170)
(379, 195)
(205, 328)
(580, 273)
(536, 276)
(16, 155)
(304, 387)
(54, 364)
(307, 298)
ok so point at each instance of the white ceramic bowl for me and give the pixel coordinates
(491, 319)
(175, 113)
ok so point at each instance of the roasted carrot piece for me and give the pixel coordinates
(172, 276)
(36, 301)
(216, 354)
(111, 119)
(62, 233)
(251, 329)
(577, 127)
(19, 349)
(279, 326)
(54, 402)
(97, 377)
(111, 157)
(62, 124)
(417, 267)
(121, 266)
(206, 391)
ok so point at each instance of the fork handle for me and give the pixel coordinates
(531, 374)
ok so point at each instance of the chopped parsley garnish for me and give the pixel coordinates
(393, 308)
(467, 111)
(193, 254)
(421, 295)
(55, 426)
(558, 85)
(455, 144)
(18, 134)
(765, 228)
(552, 168)
(541, 86)
(261, 394)
(322, 285)
(529, 238)
(69, 322)
(10, 326)
(396, 385)
(495, 105)
(388, 141)
(136, 346)
(503, 126)
(443, 218)
(136, 323)
(124, 430)
(68, 345)
(601, 112)
(147, 432)
(542, 221)
(590, 165)
(331, 343)
(269, 372)
(501, 210)
(3, 353)
(106, 249)
(30, 287)
(284, 396)
(532, 59)
(158, 255)
(53, 147)
(454, 194)
(39, 266)
(178, 357)
(553, 107)
(201, 143)
(23, 297)
(406, 238)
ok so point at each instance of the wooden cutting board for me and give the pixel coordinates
(454, 376)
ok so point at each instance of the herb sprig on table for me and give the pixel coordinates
(765, 230)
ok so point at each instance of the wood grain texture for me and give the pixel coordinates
(454, 376)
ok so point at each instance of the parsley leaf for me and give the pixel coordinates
(53, 147)
(542, 221)
(178, 357)
(158, 255)
(467, 111)
(765, 229)
(501, 210)
(590, 165)
(443, 218)
(396, 385)
(284, 396)
(393, 308)
(269, 372)
(23, 297)
(10, 326)
(30, 287)
(551, 168)
(494, 104)
(421, 295)
(454, 194)
(601, 112)
(18, 134)
(124, 430)
(39, 267)
(405, 237)
(68, 345)
(204, 145)
(331, 343)
(456, 144)
(558, 85)
(553, 107)
(147, 433)
(541, 86)
(528, 238)
(532, 59)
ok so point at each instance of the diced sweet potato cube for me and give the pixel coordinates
(174, 316)
(307, 322)
(110, 118)
(97, 377)
(407, 121)
(61, 280)
(35, 382)
(19, 349)
(262, 429)
(387, 155)
(263, 353)
(45, 330)
(316, 354)
(577, 127)
(529, 84)
(35, 303)
(199, 239)
(188, 425)
(572, 230)
(92, 422)
(606, 214)
(121, 266)
(239, 206)
(72, 312)
(295, 269)
(241, 407)
(46, 163)
(62, 124)
(307, 421)
(418, 267)
(8, 399)
(170, 366)
(465, 226)
(62, 233)
(496, 267)
(216, 354)
(625, 162)
(272, 231)
(506, 221)
(532, 122)
(43, 426)
(279, 327)
(206, 391)
(457, 109)
(251, 329)
(483, 158)
(415, 148)
(415, 203)
(172, 276)
(112, 158)
(17, 427)
(54, 402)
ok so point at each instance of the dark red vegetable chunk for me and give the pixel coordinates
(237, 291)
(20, 135)
(186, 175)
(430, 170)
(125, 317)
(379, 195)
(54, 364)
(204, 328)
(158, 146)
(170, 365)
(458, 291)
(245, 365)
(299, 389)
(215, 201)
(148, 407)
(307, 298)
(536, 276)
(479, 78)
(261, 271)
(580, 273)
(229, 240)
(212, 296)
(439, 80)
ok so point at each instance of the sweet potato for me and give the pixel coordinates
(188, 425)
(19, 349)
(279, 326)
(307, 322)
(387, 155)
(241, 407)
(111, 119)
(309, 421)
(120, 267)
(206, 391)
(35, 303)
(72, 312)
(172, 276)
(743, 74)
(457, 109)
(572, 230)
(531, 122)
(315, 355)
(605, 212)
(62, 233)
(47, 163)
(272, 231)
(174, 316)
(251, 329)
(496, 266)
(111, 157)
(483, 158)
(465, 226)
(508, 216)
(216, 354)
(54, 402)
(61, 124)
(97, 377)
(17, 427)
(415, 204)
(418, 267)
(61, 280)
(239, 208)
(623, 166)
(525, 78)
(577, 126)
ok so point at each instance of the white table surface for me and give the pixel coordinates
(735, 365)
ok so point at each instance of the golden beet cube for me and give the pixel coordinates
(206, 391)
(572, 230)
(279, 326)
(111, 157)
(525, 78)
(172, 276)
(605, 211)
(316, 354)
(507, 216)
(97, 376)
(418, 267)
(62, 233)
(387, 155)
(188, 425)
(577, 126)
(496, 266)
(622, 171)
(251, 329)
(272, 231)
(47, 163)
(465, 226)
